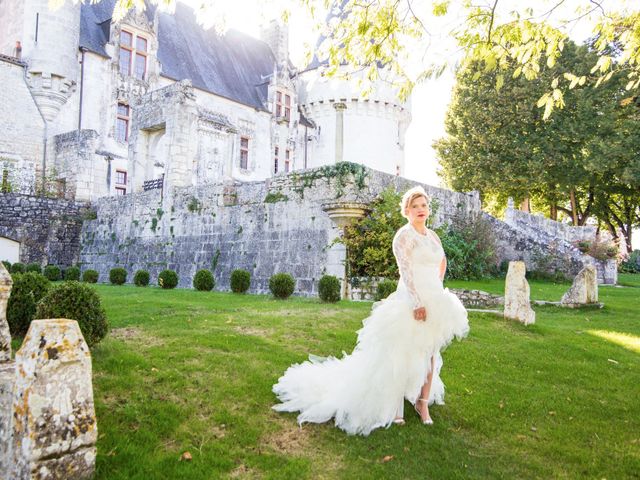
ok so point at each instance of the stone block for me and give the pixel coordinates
(5, 336)
(54, 430)
(517, 305)
(584, 290)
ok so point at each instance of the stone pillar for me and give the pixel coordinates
(5, 336)
(54, 429)
(584, 290)
(342, 214)
(517, 305)
(340, 108)
(7, 374)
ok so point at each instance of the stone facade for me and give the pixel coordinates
(282, 225)
(48, 229)
(542, 251)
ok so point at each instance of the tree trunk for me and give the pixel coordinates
(525, 206)
(553, 212)
(574, 209)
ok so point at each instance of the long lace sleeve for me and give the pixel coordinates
(403, 243)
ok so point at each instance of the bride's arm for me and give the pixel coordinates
(443, 268)
(402, 246)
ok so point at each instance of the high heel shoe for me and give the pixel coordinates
(427, 421)
(398, 421)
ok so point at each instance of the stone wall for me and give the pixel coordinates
(74, 161)
(264, 227)
(544, 252)
(48, 229)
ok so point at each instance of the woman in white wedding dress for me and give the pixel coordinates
(397, 354)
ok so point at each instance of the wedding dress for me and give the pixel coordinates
(366, 389)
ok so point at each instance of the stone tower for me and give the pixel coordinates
(49, 41)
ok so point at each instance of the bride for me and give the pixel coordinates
(397, 354)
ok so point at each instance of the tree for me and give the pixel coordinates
(580, 161)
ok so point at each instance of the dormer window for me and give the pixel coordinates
(283, 105)
(133, 55)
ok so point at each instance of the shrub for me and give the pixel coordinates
(281, 285)
(28, 289)
(34, 267)
(7, 265)
(240, 281)
(329, 288)
(90, 276)
(118, 276)
(52, 272)
(631, 264)
(141, 278)
(168, 279)
(18, 268)
(72, 274)
(385, 288)
(203, 281)
(79, 302)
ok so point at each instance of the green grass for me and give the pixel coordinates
(192, 371)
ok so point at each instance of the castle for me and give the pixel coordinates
(92, 107)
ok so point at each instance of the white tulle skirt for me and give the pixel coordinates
(366, 389)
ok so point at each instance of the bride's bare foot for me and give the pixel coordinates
(422, 407)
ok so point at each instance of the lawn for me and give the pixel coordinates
(185, 371)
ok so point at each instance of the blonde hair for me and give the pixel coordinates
(409, 196)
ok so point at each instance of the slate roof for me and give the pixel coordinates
(235, 66)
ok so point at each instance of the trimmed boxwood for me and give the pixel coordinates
(168, 279)
(72, 274)
(34, 267)
(52, 272)
(240, 281)
(18, 268)
(117, 275)
(141, 278)
(281, 285)
(329, 288)
(28, 289)
(7, 265)
(385, 288)
(76, 301)
(90, 276)
(203, 281)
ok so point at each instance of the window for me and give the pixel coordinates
(121, 191)
(133, 56)
(275, 160)
(283, 109)
(287, 159)
(244, 152)
(121, 177)
(122, 122)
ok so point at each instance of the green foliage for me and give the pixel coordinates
(273, 197)
(240, 281)
(168, 279)
(154, 223)
(7, 265)
(631, 264)
(118, 276)
(281, 285)
(52, 272)
(28, 289)
(80, 302)
(342, 173)
(470, 247)
(90, 276)
(141, 278)
(203, 281)
(18, 267)
(72, 273)
(329, 288)
(194, 205)
(34, 267)
(385, 288)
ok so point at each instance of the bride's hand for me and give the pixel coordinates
(420, 314)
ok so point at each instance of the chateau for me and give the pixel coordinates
(96, 108)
